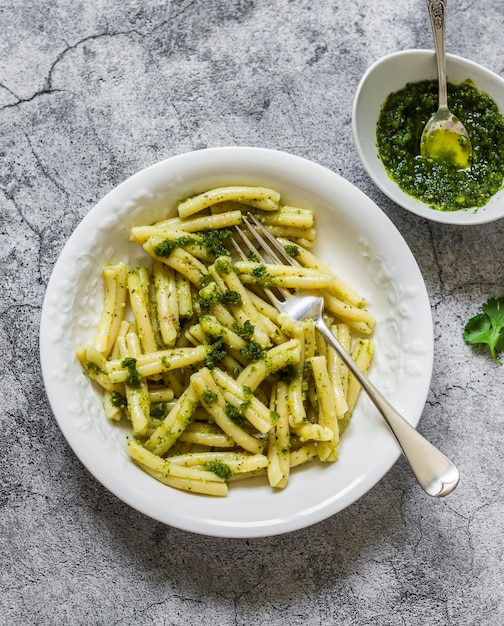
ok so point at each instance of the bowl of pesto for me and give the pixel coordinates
(394, 100)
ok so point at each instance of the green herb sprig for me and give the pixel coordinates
(488, 327)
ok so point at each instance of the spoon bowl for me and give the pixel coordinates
(444, 137)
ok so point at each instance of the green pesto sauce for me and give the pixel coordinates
(206, 279)
(167, 246)
(213, 241)
(259, 271)
(216, 351)
(292, 250)
(133, 378)
(247, 396)
(288, 373)
(441, 186)
(246, 331)
(118, 400)
(221, 469)
(159, 410)
(231, 297)
(252, 351)
(274, 417)
(234, 414)
(209, 397)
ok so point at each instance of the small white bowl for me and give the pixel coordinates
(390, 74)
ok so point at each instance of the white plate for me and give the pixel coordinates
(355, 238)
(390, 74)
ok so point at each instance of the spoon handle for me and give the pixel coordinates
(437, 14)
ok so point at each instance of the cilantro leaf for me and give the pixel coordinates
(488, 327)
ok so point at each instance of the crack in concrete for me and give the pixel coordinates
(144, 610)
(38, 234)
(47, 88)
(19, 211)
(8, 90)
(45, 172)
(41, 92)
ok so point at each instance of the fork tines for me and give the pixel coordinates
(264, 240)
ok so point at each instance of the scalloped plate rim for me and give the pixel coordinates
(316, 492)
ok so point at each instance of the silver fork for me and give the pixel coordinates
(435, 473)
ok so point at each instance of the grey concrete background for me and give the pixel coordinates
(92, 91)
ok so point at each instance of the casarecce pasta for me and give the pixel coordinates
(216, 385)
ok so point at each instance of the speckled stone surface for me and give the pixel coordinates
(93, 91)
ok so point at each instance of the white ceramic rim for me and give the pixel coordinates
(376, 256)
(364, 124)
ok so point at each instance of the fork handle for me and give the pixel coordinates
(435, 473)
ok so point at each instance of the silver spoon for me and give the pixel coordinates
(444, 137)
